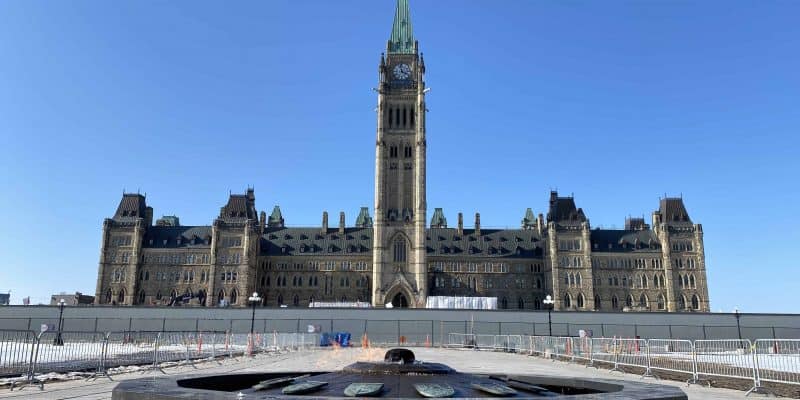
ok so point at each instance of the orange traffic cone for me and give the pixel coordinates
(427, 340)
(200, 343)
(365, 341)
(568, 347)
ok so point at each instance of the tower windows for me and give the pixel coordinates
(400, 250)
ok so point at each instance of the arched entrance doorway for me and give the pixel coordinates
(399, 301)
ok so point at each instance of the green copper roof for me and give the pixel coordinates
(364, 220)
(529, 220)
(402, 39)
(438, 220)
(276, 218)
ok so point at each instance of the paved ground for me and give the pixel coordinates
(324, 360)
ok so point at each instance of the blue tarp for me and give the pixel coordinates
(340, 338)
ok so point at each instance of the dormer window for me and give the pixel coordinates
(283, 249)
(151, 242)
(331, 249)
(302, 248)
(165, 242)
(124, 213)
(178, 240)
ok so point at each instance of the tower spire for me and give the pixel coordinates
(402, 39)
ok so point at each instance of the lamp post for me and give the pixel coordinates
(738, 327)
(58, 341)
(548, 301)
(254, 299)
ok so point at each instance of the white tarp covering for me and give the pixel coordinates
(462, 302)
(339, 304)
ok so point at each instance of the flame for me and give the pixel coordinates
(338, 357)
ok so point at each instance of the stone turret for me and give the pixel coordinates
(529, 221)
(438, 220)
(276, 218)
(363, 220)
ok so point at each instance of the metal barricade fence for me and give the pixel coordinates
(582, 349)
(129, 348)
(672, 355)
(16, 350)
(515, 343)
(171, 347)
(68, 351)
(484, 342)
(460, 340)
(551, 346)
(778, 360)
(633, 353)
(605, 350)
(730, 358)
(500, 343)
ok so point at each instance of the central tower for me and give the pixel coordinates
(399, 267)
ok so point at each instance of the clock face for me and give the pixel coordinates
(402, 71)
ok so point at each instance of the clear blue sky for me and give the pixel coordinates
(618, 102)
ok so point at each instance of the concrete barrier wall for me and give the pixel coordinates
(409, 322)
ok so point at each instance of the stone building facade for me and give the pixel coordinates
(399, 257)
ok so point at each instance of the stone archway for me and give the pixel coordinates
(400, 295)
(400, 301)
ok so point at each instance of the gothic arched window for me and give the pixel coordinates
(695, 302)
(121, 296)
(596, 302)
(234, 296)
(108, 296)
(400, 250)
(567, 301)
(296, 301)
(504, 303)
(141, 296)
(614, 302)
(682, 303)
(660, 302)
(642, 300)
(220, 296)
(580, 300)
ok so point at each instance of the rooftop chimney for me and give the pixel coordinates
(263, 220)
(341, 222)
(324, 222)
(460, 224)
(477, 224)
